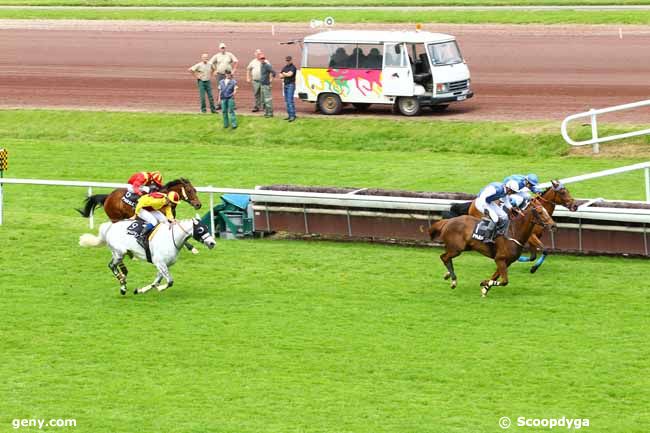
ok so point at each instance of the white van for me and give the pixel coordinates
(408, 70)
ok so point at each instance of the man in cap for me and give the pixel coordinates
(223, 60)
(253, 77)
(266, 78)
(202, 71)
(288, 75)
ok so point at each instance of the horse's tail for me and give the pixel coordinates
(457, 209)
(436, 229)
(90, 240)
(91, 203)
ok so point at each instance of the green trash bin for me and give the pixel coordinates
(231, 217)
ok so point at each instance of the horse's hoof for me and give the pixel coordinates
(534, 269)
(194, 251)
(484, 283)
(122, 291)
(454, 283)
(135, 292)
(484, 292)
(447, 275)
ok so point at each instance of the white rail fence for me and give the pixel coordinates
(352, 200)
(595, 138)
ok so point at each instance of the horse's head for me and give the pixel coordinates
(562, 196)
(201, 233)
(540, 215)
(185, 190)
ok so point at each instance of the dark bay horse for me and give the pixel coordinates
(117, 210)
(556, 194)
(456, 234)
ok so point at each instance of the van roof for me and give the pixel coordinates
(377, 36)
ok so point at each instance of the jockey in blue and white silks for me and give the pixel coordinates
(527, 184)
(491, 200)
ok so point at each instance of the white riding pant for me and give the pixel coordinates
(494, 210)
(144, 189)
(152, 217)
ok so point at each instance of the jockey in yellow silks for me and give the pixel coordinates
(155, 208)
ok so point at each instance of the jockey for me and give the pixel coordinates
(144, 182)
(527, 184)
(491, 200)
(155, 208)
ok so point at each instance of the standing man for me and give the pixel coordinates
(266, 78)
(288, 75)
(202, 71)
(223, 60)
(253, 75)
(227, 90)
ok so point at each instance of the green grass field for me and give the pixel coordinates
(282, 336)
(637, 17)
(317, 3)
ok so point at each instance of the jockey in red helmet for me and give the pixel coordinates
(145, 182)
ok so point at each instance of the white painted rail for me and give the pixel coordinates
(645, 166)
(595, 138)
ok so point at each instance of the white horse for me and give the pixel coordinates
(165, 244)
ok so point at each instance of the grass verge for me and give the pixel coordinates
(637, 17)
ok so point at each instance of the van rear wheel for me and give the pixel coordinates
(330, 103)
(409, 106)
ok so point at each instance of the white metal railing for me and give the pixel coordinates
(645, 166)
(595, 138)
(372, 202)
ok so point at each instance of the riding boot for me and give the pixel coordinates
(142, 237)
(502, 227)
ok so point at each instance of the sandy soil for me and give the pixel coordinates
(518, 72)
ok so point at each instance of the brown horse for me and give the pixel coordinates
(556, 194)
(456, 234)
(117, 210)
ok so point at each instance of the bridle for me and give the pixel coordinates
(176, 223)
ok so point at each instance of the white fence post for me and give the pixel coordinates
(211, 212)
(1, 202)
(594, 131)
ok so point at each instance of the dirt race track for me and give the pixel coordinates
(518, 72)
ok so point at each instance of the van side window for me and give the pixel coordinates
(370, 56)
(343, 56)
(394, 55)
(318, 55)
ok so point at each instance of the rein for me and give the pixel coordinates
(182, 229)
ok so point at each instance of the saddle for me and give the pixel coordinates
(481, 231)
(135, 229)
(131, 198)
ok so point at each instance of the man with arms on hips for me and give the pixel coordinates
(288, 75)
(202, 71)
(253, 77)
(223, 60)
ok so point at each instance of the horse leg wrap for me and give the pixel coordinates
(123, 269)
(523, 259)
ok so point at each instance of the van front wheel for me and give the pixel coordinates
(409, 105)
(330, 103)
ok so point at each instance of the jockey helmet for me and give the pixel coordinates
(513, 185)
(532, 179)
(156, 177)
(174, 197)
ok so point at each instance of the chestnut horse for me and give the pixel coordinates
(117, 210)
(556, 194)
(456, 234)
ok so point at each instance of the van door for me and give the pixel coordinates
(396, 76)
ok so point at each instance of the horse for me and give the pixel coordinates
(165, 244)
(456, 235)
(117, 210)
(556, 194)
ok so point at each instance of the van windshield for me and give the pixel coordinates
(446, 53)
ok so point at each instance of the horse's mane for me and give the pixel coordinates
(175, 182)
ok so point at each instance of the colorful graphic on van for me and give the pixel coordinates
(348, 83)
